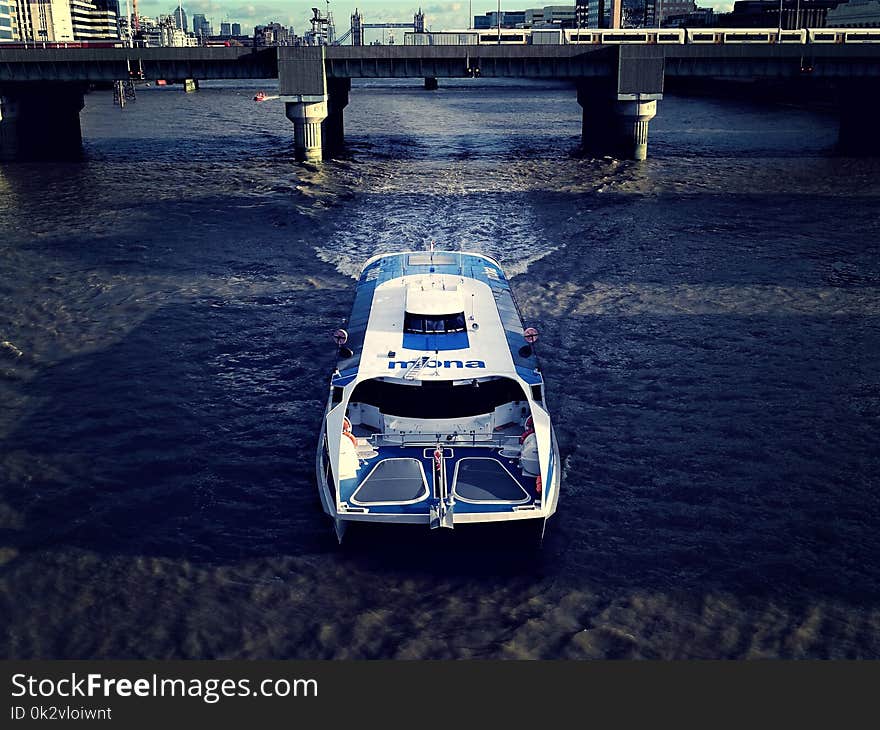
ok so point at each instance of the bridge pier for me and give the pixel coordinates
(614, 126)
(333, 130)
(633, 118)
(307, 114)
(431, 83)
(40, 121)
(619, 108)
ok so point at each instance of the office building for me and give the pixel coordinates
(597, 14)
(273, 34)
(91, 22)
(8, 24)
(179, 16)
(854, 14)
(765, 14)
(51, 21)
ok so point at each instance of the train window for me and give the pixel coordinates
(702, 37)
(505, 38)
(624, 38)
(746, 38)
(667, 37)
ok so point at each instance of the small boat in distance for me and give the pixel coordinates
(436, 411)
(263, 96)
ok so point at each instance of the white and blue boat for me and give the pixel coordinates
(436, 412)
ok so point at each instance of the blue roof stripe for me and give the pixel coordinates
(436, 342)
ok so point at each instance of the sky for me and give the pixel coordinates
(297, 13)
(438, 15)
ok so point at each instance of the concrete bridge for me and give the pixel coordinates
(619, 87)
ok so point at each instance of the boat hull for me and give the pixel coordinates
(436, 412)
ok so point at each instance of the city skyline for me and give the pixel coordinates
(437, 15)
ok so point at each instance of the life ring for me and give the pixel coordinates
(539, 485)
(346, 431)
(530, 429)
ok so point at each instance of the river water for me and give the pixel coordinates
(710, 327)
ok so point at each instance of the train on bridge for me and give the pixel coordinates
(549, 36)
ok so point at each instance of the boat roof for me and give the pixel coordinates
(435, 283)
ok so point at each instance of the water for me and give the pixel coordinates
(711, 338)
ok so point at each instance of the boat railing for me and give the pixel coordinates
(472, 438)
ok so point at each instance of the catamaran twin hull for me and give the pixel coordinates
(436, 410)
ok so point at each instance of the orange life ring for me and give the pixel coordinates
(528, 432)
(539, 485)
(346, 431)
(530, 429)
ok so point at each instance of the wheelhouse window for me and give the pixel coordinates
(422, 324)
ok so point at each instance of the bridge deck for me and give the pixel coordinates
(565, 61)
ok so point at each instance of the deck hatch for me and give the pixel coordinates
(427, 258)
(393, 481)
(486, 480)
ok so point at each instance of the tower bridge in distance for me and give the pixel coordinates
(358, 26)
(618, 86)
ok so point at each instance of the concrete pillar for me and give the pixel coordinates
(632, 120)
(307, 116)
(431, 83)
(334, 125)
(614, 126)
(40, 121)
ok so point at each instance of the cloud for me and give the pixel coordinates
(443, 8)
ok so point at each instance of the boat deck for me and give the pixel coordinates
(398, 478)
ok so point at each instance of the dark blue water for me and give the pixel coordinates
(710, 334)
